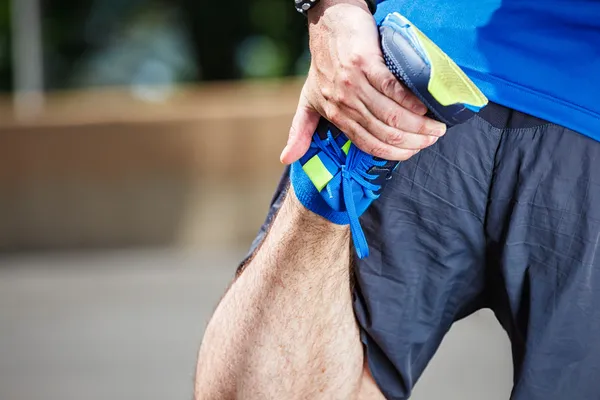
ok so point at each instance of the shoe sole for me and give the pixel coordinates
(428, 72)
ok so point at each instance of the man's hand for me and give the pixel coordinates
(349, 84)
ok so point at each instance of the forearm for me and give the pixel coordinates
(297, 322)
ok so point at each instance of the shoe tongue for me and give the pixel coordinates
(326, 126)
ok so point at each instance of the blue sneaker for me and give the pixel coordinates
(337, 180)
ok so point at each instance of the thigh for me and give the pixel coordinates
(426, 267)
(543, 227)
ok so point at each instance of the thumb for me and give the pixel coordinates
(304, 125)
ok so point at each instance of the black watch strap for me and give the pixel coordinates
(303, 6)
(372, 5)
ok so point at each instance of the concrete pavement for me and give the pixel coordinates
(126, 325)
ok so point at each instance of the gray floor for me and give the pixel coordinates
(126, 326)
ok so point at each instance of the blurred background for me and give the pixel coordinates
(139, 145)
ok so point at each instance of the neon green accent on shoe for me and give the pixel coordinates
(448, 84)
(346, 147)
(317, 172)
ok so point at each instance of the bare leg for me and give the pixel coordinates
(286, 328)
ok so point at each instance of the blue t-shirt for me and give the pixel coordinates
(541, 57)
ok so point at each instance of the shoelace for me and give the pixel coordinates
(353, 168)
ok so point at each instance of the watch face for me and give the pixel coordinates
(304, 5)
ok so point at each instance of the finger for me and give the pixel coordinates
(396, 116)
(389, 135)
(383, 118)
(303, 127)
(396, 137)
(385, 82)
(345, 119)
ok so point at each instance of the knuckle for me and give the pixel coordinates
(397, 138)
(327, 93)
(334, 114)
(356, 60)
(358, 140)
(389, 84)
(393, 120)
(346, 80)
(402, 94)
(344, 87)
(404, 99)
(341, 97)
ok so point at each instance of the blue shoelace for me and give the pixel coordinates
(353, 167)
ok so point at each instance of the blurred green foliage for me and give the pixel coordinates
(116, 42)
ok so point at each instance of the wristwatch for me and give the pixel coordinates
(302, 6)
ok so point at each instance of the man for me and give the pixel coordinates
(500, 212)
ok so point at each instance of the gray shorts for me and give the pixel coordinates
(501, 213)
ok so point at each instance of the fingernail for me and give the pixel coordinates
(419, 108)
(438, 129)
(433, 140)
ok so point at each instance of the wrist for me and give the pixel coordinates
(319, 9)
